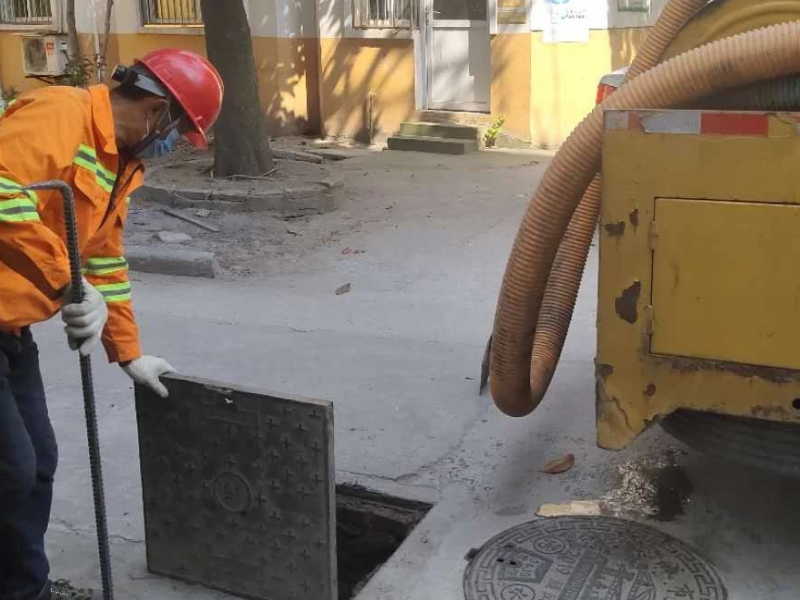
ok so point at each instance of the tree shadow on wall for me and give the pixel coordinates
(366, 86)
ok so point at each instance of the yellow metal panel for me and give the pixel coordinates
(634, 385)
(563, 78)
(725, 281)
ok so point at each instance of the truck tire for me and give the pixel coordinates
(766, 445)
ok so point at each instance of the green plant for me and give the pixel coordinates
(8, 94)
(490, 137)
(78, 72)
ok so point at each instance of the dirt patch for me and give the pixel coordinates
(382, 192)
(654, 487)
(247, 243)
(63, 590)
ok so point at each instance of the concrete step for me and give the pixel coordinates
(438, 130)
(436, 145)
(479, 120)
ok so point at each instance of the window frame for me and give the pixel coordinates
(362, 23)
(51, 26)
(146, 8)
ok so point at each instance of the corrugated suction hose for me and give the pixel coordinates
(779, 94)
(763, 54)
(564, 282)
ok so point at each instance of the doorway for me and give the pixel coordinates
(454, 61)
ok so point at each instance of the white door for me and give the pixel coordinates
(457, 55)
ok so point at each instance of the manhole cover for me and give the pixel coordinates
(238, 489)
(589, 558)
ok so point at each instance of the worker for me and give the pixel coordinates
(95, 141)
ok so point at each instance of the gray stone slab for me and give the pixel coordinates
(172, 261)
(173, 237)
(439, 130)
(238, 488)
(432, 144)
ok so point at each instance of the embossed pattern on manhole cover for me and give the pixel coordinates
(589, 558)
(238, 489)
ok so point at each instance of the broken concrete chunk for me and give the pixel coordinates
(173, 237)
(170, 260)
(577, 508)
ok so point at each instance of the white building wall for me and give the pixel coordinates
(268, 18)
(335, 18)
(602, 14)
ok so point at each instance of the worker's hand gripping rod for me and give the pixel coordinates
(77, 294)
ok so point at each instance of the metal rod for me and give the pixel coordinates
(77, 295)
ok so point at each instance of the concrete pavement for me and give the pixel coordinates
(399, 355)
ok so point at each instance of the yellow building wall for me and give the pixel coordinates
(353, 69)
(11, 74)
(564, 79)
(310, 85)
(286, 67)
(511, 89)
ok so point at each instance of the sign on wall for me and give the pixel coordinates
(567, 21)
(512, 12)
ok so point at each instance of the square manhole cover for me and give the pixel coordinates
(238, 489)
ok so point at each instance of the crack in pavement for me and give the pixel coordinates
(70, 528)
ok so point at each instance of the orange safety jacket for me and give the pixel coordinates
(64, 133)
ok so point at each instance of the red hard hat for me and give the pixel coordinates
(194, 83)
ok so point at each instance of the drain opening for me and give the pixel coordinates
(369, 528)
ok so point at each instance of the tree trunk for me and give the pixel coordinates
(102, 60)
(241, 144)
(72, 33)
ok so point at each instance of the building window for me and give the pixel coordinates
(26, 12)
(171, 12)
(633, 6)
(382, 14)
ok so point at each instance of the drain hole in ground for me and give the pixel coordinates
(369, 528)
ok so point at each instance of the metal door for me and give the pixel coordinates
(456, 54)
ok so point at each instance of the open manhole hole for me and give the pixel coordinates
(369, 528)
(239, 495)
(589, 557)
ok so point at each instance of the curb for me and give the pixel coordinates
(172, 261)
(309, 198)
(312, 199)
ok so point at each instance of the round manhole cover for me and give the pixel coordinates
(589, 558)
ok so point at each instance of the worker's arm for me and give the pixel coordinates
(35, 137)
(107, 270)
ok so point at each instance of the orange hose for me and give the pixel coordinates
(673, 19)
(762, 54)
(564, 282)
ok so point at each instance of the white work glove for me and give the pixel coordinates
(84, 322)
(146, 370)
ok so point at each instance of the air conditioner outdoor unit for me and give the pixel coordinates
(44, 55)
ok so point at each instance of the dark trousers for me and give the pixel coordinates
(28, 457)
